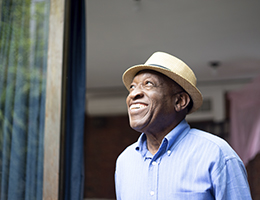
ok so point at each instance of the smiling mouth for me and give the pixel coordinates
(137, 106)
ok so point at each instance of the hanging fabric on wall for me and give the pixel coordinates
(245, 120)
(75, 104)
(23, 64)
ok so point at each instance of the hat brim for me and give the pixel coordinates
(191, 89)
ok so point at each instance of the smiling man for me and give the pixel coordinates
(170, 160)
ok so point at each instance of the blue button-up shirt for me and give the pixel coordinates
(189, 165)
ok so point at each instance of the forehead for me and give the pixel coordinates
(157, 75)
(161, 78)
(148, 72)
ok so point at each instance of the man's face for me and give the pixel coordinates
(151, 102)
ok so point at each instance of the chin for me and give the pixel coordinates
(137, 125)
(136, 128)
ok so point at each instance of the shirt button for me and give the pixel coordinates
(168, 152)
(154, 163)
(152, 193)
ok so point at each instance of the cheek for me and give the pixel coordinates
(127, 100)
(160, 100)
(165, 104)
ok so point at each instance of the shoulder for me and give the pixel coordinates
(133, 151)
(214, 149)
(227, 171)
(127, 154)
(205, 139)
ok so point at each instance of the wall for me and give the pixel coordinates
(106, 138)
(253, 171)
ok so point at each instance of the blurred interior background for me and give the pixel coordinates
(219, 40)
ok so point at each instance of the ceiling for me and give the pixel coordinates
(122, 33)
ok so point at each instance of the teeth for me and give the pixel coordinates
(137, 106)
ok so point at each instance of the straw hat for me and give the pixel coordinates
(172, 67)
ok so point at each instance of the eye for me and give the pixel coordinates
(149, 83)
(131, 87)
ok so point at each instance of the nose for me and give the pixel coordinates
(136, 93)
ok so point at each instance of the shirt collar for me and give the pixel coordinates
(141, 145)
(171, 139)
(176, 135)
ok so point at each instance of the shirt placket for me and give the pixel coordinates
(153, 172)
(153, 179)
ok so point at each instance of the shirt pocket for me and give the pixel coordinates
(192, 196)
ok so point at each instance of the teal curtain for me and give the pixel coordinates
(23, 62)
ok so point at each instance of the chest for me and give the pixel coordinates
(177, 176)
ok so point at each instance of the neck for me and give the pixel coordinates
(154, 139)
(153, 143)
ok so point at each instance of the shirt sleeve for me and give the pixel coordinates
(230, 181)
(117, 186)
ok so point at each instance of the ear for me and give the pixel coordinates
(182, 101)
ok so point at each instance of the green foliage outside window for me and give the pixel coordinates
(23, 62)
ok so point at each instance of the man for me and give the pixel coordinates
(170, 160)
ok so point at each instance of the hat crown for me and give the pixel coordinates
(173, 64)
